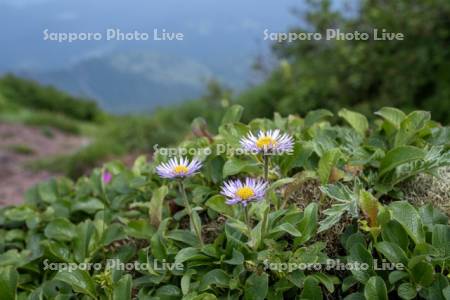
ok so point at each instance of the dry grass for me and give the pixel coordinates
(425, 188)
(307, 190)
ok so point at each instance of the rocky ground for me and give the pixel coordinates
(20, 145)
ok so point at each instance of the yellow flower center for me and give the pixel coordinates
(180, 169)
(265, 142)
(245, 192)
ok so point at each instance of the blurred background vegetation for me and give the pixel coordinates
(361, 75)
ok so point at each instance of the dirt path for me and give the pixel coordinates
(20, 144)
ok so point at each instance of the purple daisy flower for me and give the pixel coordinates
(268, 142)
(178, 168)
(238, 191)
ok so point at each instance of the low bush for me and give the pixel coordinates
(21, 149)
(31, 95)
(325, 220)
(45, 119)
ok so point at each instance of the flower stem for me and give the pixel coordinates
(266, 167)
(189, 211)
(247, 218)
(185, 198)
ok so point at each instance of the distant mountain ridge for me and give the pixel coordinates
(130, 82)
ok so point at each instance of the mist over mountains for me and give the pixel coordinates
(222, 40)
(130, 82)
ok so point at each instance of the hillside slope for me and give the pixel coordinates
(20, 145)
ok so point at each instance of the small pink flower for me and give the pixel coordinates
(106, 177)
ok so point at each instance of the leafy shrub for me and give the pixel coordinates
(22, 149)
(31, 95)
(412, 73)
(45, 119)
(80, 162)
(134, 215)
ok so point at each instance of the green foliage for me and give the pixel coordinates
(81, 161)
(31, 95)
(366, 75)
(251, 253)
(21, 149)
(45, 119)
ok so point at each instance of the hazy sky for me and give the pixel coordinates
(212, 29)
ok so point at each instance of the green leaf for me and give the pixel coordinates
(256, 236)
(409, 218)
(431, 215)
(315, 116)
(441, 239)
(289, 228)
(85, 241)
(308, 224)
(439, 290)
(232, 133)
(56, 250)
(139, 165)
(397, 275)
(8, 283)
(89, 205)
(205, 296)
(327, 162)
(256, 287)
(328, 281)
(299, 159)
(188, 254)
(79, 280)
(184, 236)
(114, 232)
(186, 281)
(122, 288)
(410, 126)
(20, 213)
(156, 205)
(406, 291)
(348, 282)
(375, 289)
(355, 296)
(399, 156)
(217, 203)
(139, 229)
(446, 293)
(235, 166)
(360, 255)
(392, 252)
(392, 115)
(423, 273)
(356, 120)
(47, 191)
(238, 225)
(440, 136)
(311, 289)
(196, 223)
(280, 182)
(232, 115)
(393, 232)
(168, 292)
(215, 277)
(347, 202)
(60, 229)
(237, 259)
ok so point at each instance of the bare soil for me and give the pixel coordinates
(19, 145)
